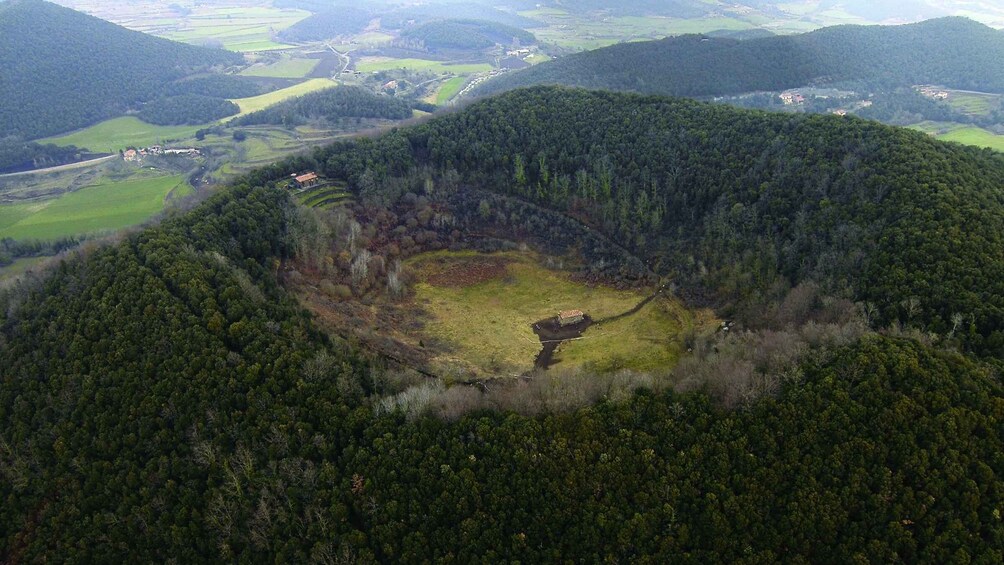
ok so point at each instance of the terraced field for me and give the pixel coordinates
(324, 196)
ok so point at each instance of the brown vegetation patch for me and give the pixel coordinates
(453, 272)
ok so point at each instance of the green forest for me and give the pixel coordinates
(164, 397)
(187, 109)
(16, 155)
(466, 34)
(65, 70)
(955, 52)
(329, 22)
(330, 105)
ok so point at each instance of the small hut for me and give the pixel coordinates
(570, 317)
(306, 180)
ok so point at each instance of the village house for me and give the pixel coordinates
(570, 317)
(306, 180)
(130, 155)
(790, 98)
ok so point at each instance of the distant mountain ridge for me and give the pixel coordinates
(954, 51)
(64, 70)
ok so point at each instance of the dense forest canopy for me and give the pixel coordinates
(466, 34)
(329, 23)
(164, 398)
(16, 155)
(187, 109)
(954, 52)
(64, 70)
(331, 105)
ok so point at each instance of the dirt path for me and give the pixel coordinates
(59, 168)
(552, 334)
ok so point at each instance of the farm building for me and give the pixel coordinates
(570, 317)
(306, 180)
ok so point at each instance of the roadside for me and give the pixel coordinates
(61, 168)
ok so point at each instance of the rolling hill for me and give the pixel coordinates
(466, 34)
(164, 397)
(954, 52)
(65, 70)
(331, 104)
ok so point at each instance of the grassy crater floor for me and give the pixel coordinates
(481, 309)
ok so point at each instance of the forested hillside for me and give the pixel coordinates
(64, 69)
(187, 109)
(466, 34)
(162, 398)
(954, 52)
(330, 105)
(328, 23)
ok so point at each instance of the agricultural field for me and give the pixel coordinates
(973, 103)
(286, 67)
(374, 64)
(260, 102)
(482, 308)
(449, 89)
(237, 29)
(592, 33)
(975, 136)
(238, 25)
(104, 207)
(112, 135)
(960, 133)
(324, 196)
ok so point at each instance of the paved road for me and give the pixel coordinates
(69, 167)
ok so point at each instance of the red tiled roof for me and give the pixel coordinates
(306, 177)
(566, 314)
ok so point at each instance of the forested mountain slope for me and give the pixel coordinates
(954, 52)
(466, 34)
(164, 398)
(64, 69)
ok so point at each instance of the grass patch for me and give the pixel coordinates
(449, 89)
(20, 267)
(488, 324)
(128, 131)
(975, 136)
(319, 196)
(103, 207)
(287, 67)
(538, 58)
(262, 101)
(375, 64)
(974, 104)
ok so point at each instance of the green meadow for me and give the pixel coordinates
(975, 136)
(286, 67)
(450, 89)
(118, 133)
(255, 103)
(374, 64)
(94, 209)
